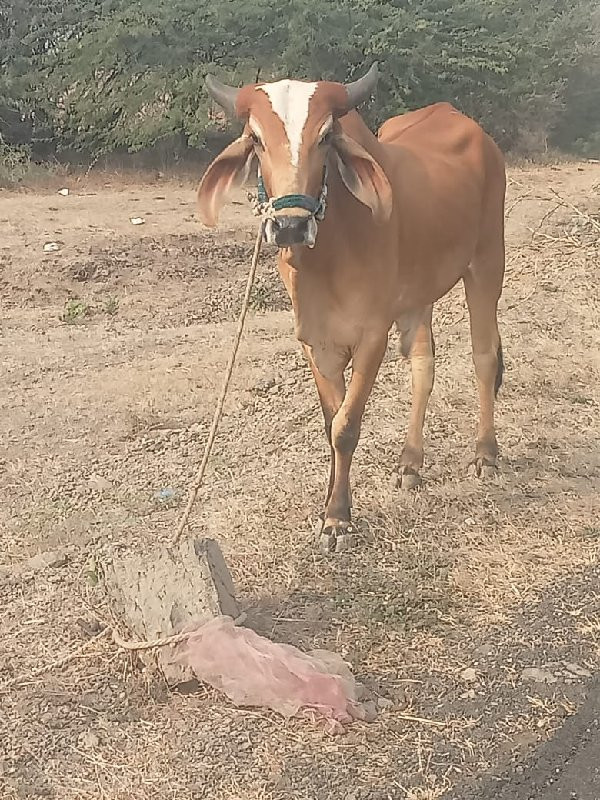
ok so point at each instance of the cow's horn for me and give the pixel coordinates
(226, 96)
(358, 91)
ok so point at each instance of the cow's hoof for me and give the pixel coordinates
(408, 478)
(337, 537)
(484, 468)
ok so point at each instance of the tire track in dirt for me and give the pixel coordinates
(567, 767)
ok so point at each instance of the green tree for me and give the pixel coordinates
(31, 33)
(104, 75)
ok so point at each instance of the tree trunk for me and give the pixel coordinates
(160, 593)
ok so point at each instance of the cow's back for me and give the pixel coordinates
(395, 127)
(443, 138)
(436, 129)
(448, 181)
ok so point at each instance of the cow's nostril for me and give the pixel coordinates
(287, 221)
(290, 229)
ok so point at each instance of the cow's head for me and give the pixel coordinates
(292, 128)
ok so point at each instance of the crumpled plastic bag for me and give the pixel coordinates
(254, 671)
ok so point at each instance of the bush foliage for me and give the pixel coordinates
(101, 76)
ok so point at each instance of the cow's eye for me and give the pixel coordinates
(256, 139)
(326, 137)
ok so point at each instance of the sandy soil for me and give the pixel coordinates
(111, 352)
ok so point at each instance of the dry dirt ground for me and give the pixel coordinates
(472, 610)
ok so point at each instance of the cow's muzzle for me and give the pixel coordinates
(288, 229)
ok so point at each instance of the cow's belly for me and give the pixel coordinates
(417, 293)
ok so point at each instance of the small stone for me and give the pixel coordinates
(98, 483)
(384, 703)
(90, 627)
(469, 674)
(51, 247)
(63, 192)
(89, 740)
(369, 711)
(166, 493)
(538, 675)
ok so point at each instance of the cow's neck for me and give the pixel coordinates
(327, 313)
(348, 224)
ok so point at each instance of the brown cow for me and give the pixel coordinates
(408, 214)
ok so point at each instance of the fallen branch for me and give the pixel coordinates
(567, 204)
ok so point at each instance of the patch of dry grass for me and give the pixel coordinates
(460, 575)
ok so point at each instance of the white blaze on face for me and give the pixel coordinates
(289, 100)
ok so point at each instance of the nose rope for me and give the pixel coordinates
(265, 206)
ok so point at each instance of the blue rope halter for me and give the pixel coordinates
(316, 206)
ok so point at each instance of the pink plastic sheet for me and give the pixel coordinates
(254, 671)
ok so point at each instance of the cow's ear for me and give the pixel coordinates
(231, 168)
(363, 177)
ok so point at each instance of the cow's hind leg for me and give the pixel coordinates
(483, 285)
(419, 345)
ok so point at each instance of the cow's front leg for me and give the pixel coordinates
(331, 391)
(345, 432)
